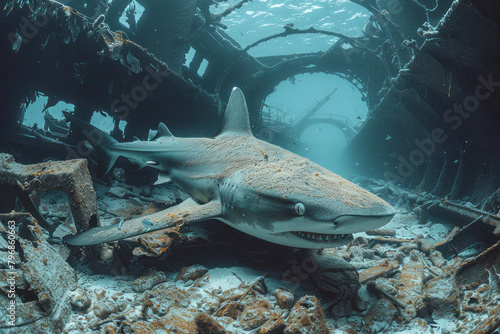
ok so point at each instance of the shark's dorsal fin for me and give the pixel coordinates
(236, 120)
(163, 131)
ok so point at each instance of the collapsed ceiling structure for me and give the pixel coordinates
(429, 77)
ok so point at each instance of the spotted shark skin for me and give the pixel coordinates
(254, 186)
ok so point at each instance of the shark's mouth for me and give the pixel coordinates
(320, 237)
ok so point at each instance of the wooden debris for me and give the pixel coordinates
(377, 271)
(449, 237)
(473, 270)
(382, 232)
(488, 218)
(70, 176)
(391, 240)
(410, 288)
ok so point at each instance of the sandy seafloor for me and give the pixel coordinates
(225, 274)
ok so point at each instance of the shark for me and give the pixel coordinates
(251, 185)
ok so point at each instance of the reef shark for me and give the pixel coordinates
(254, 186)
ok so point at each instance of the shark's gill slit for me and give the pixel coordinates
(232, 196)
(222, 192)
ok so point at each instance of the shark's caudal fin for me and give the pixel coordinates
(101, 142)
(236, 120)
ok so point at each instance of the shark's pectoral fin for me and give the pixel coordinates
(186, 212)
(162, 178)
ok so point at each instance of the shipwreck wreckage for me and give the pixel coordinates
(430, 77)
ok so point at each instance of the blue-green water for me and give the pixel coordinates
(262, 18)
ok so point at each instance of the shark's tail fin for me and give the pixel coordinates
(101, 142)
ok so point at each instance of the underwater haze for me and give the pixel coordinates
(250, 166)
(324, 142)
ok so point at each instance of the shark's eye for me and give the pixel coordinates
(300, 209)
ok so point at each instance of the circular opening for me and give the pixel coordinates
(321, 111)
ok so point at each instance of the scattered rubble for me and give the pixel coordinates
(255, 313)
(379, 283)
(275, 325)
(205, 324)
(441, 297)
(307, 317)
(381, 313)
(80, 300)
(43, 281)
(284, 298)
(339, 280)
(191, 273)
(147, 281)
(118, 192)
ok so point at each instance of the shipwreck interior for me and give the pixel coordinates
(427, 70)
(419, 78)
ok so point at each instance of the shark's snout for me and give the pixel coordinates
(361, 222)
